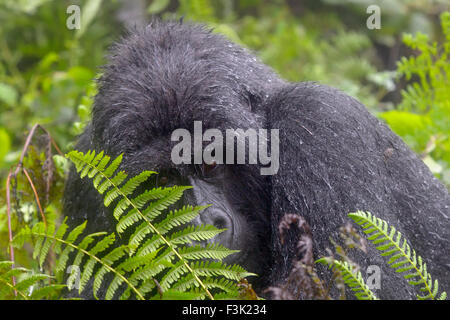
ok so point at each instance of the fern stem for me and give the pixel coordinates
(36, 196)
(140, 296)
(155, 230)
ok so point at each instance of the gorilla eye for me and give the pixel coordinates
(163, 181)
(208, 169)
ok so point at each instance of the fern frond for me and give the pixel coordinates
(173, 219)
(85, 160)
(108, 260)
(26, 283)
(402, 258)
(210, 251)
(156, 246)
(47, 291)
(188, 282)
(141, 200)
(149, 271)
(217, 268)
(135, 182)
(352, 278)
(151, 212)
(48, 235)
(135, 262)
(179, 217)
(187, 235)
(171, 294)
(155, 208)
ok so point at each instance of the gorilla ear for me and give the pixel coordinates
(253, 101)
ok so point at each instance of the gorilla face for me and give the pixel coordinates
(236, 195)
(332, 153)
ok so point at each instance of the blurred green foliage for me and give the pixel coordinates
(45, 68)
(422, 119)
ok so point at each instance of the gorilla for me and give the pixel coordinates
(334, 156)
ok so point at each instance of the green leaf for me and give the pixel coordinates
(402, 258)
(88, 13)
(5, 144)
(157, 6)
(8, 94)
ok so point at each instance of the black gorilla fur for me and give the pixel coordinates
(335, 157)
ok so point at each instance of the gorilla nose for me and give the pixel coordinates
(215, 217)
(221, 220)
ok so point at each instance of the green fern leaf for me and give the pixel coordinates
(129, 220)
(30, 280)
(52, 290)
(173, 219)
(173, 275)
(38, 228)
(193, 233)
(107, 260)
(155, 208)
(179, 217)
(217, 268)
(108, 172)
(131, 185)
(88, 270)
(210, 251)
(157, 247)
(402, 258)
(82, 247)
(353, 279)
(113, 287)
(63, 258)
(60, 235)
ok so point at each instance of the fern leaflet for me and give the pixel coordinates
(352, 278)
(26, 284)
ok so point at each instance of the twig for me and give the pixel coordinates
(8, 212)
(19, 167)
(36, 196)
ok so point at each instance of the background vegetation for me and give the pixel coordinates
(401, 71)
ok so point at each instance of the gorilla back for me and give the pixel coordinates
(334, 156)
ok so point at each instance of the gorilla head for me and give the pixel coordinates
(331, 152)
(164, 78)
